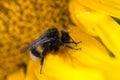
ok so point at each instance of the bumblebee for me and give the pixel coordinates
(49, 41)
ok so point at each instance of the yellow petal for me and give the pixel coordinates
(95, 59)
(66, 72)
(109, 7)
(99, 25)
(17, 75)
(56, 69)
(81, 15)
(30, 71)
(109, 32)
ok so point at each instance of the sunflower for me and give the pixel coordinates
(92, 23)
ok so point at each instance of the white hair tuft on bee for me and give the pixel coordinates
(33, 57)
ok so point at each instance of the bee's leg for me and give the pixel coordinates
(41, 63)
(74, 41)
(72, 47)
(46, 49)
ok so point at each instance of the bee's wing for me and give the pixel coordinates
(28, 47)
(25, 48)
(38, 42)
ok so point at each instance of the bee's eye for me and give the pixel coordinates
(65, 37)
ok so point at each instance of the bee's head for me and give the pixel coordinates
(65, 37)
